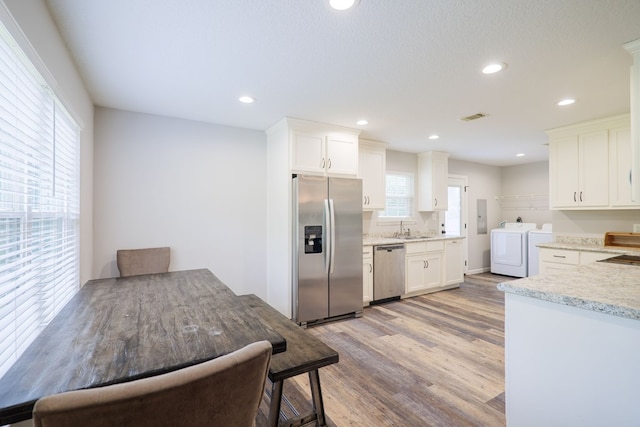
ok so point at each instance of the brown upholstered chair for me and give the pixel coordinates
(221, 392)
(133, 262)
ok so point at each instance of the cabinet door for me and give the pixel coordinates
(621, 169)
(414, 273)
(423, 271)
(453, 262)
(551, 267)
(342, 154)
(564, 172)
(433, 270)
(308, 153)
(594, 169)
(372, 172)
(367, 274)
(440, 187)
(433, 170)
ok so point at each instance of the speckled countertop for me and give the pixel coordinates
(589, 247)
(378, 240)
(603, 287)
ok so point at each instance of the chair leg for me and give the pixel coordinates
(274, 406)
(316, 395)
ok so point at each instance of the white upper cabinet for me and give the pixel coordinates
(433, 170)
(322, 149)
(590, 165)
(372, 171)
(621, 169)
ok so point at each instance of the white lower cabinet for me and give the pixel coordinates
(556, 260)
(423, 266)
(367, 274)
(454, 268)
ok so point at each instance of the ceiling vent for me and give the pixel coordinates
(474, 117)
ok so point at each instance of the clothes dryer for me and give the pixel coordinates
(509, 249)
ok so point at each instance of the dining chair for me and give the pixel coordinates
(225, 391)
(133, 262)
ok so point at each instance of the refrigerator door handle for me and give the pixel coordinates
(332, 230)
(327, 231)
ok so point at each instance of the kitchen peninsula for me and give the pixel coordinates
(572, 341)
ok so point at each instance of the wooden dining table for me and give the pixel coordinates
(122, 329)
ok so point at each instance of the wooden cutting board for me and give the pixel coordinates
(621, 239)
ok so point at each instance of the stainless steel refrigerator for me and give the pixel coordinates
(327, 248)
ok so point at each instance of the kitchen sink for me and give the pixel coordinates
(412, 237)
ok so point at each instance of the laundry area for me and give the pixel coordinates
(514, 250)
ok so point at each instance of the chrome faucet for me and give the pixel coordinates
(402, 232)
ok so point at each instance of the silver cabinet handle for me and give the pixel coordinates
(370, 268)
(574, 197)
(329, 167)
(323, 163)
(436, 202)
(559, 256)
(581, 196)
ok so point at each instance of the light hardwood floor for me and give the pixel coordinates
(432, 360)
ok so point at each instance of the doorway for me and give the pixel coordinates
(455, 218)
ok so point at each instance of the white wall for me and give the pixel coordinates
(593, 223)
(484, 183)
(525, 191)
(37, 34)
(195, 187)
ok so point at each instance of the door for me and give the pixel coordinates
(456, 217)
(345, 275)
(310, 283)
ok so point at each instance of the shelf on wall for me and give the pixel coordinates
(524, 201)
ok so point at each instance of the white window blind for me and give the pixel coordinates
(39, 203)
(399, 196)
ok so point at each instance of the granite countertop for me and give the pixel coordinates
(590, 247)
(368, 241)
(602, 287)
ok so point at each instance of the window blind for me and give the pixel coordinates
(399, 196)
(39, 203)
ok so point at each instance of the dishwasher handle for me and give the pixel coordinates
(389, 248)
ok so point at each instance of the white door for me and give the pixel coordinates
(455, 218)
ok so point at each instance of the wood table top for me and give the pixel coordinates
(121, 329)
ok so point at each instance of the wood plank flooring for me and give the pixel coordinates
(432, 360)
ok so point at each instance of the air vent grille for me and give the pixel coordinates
(474, 117)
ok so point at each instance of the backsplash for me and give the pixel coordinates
(579, 240)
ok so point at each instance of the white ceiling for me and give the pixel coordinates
(410, 67)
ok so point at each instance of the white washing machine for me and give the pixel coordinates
(509, 249)
(536, 237)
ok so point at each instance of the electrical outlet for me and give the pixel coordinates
(636, 228)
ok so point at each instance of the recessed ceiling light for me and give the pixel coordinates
(342, 4)
(434, 136)
(362, 122)
(247, 99)
(520, 155)
(494, 68)
(567, 101)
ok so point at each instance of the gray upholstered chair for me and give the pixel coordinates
(226, 391)
(133, 262)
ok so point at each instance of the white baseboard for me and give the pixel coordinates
(478, 271)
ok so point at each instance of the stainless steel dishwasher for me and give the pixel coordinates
(388, 272)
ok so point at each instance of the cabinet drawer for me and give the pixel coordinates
(367, 252)
(426, 246)
(560, 256)
(587, 257)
